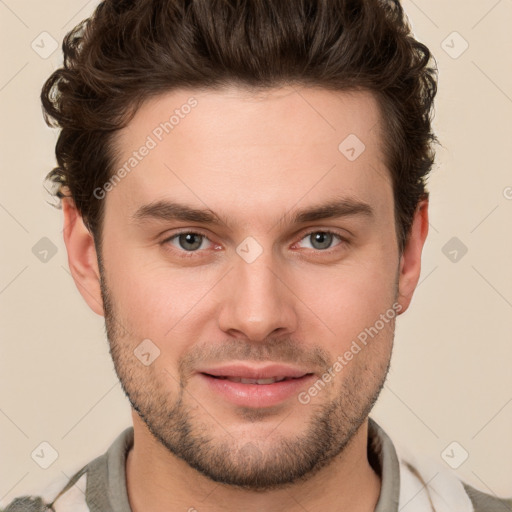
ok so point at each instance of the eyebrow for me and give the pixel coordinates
(165, 210)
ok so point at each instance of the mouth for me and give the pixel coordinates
(245, 380)
(255, 387)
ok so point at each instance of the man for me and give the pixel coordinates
(243, 188)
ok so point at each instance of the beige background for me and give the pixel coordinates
(451, 377)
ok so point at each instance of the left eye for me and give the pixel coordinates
(321, 240)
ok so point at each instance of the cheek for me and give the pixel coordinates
(350, 299)
(158, 302)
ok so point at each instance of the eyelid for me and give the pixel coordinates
(343, 239)
(186, 232)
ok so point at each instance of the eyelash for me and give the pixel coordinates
(188, 254)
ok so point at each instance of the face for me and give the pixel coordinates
(249, 241)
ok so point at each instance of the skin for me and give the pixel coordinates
(251, 159)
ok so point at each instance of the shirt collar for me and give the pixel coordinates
(384, 460)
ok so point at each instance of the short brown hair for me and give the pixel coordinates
(130, 50)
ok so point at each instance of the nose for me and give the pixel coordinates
(257, 302)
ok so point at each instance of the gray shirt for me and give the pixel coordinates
(104, 480)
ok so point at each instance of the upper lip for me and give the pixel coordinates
(255, 372)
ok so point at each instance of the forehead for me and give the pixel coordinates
(288, 115)
(238, 149)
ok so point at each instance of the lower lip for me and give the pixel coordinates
(256, 395)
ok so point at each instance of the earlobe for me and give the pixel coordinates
(410, 261)
(82, 257)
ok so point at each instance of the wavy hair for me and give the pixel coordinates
(131, 50)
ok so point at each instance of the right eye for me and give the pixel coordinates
(188, 241)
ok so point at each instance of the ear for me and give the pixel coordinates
(82, 257)
(410, 261)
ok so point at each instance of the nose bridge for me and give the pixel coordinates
(257, 302)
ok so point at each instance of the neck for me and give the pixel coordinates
(158, 481)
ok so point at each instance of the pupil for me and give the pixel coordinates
(323, 239)
(188, 239)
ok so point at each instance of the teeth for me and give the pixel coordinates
(270, 380)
